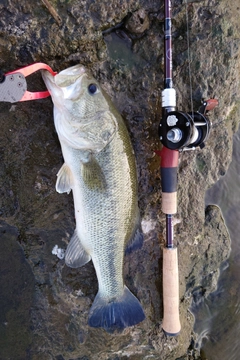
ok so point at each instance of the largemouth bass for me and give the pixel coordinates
(100, 170)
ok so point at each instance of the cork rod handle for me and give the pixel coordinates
(169, 202)
(171, 322)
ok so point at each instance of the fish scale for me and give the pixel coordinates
(114, 224)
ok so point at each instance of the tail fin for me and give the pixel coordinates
(116, 314)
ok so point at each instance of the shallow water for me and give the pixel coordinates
(218, 317)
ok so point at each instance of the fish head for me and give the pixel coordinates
(82, 111)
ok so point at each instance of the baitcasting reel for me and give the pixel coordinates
(185, 131)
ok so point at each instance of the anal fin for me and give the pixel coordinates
(76, 256)
(135, 242)
(136, 238)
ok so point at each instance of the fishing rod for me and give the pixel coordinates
(178, 131)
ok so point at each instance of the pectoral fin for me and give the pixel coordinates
(76, 256)
(64, 180)
(92, 175)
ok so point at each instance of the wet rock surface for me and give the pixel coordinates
(17, 296)
(122, 44)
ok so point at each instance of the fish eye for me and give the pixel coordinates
(92, 89)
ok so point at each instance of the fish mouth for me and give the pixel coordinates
(49, 81)
(58, 84)
(69, 76)
(65, 77)
(73, 70)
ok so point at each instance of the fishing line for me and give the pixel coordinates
(189, 57)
